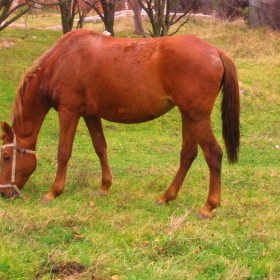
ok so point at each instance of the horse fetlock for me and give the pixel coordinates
(106, 184)
(213, 203)
(169, 196)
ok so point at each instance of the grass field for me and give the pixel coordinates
(127, 236)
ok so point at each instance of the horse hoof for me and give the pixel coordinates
(160, 202)
(101, 194)
(45, 201)
(205, 216)
(201, 217)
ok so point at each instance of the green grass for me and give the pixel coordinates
(126, 234)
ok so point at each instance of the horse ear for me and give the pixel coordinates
(2, 135)
(6, 131)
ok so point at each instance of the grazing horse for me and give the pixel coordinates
(90, 75)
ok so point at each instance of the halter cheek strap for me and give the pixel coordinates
(13, 176)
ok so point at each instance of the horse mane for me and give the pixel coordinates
(25, 81)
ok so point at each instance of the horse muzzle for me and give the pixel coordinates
(10, 191)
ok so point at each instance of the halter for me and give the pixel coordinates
(21, 151)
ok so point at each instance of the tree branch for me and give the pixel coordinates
(7, 23)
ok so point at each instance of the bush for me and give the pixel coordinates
(272, 14)
(230, 9)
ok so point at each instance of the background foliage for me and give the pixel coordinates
(126, 236)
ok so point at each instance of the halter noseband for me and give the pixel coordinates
(13, 177)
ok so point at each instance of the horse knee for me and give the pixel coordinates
(100, 150)
(63, 157)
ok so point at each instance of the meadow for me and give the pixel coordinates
(126, 236)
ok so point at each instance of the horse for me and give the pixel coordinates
(125, 80)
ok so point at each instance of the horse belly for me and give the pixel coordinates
(134, 110)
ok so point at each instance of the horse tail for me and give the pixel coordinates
(230, 108)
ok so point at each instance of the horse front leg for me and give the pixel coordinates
(68, 124)
(188, 154)
(98, 140)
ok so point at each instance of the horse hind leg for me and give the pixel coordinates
(94, 126)
(213, 155)
(188, 154)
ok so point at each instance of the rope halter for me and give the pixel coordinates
(13, 177)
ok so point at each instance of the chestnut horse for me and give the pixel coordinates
(90, 75)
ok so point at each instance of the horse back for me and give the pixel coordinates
(127, 79)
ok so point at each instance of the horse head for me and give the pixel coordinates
(17, 164)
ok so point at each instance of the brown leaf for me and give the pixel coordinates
(237, 182)
(116, 277)
(78, 236)
(145, 243)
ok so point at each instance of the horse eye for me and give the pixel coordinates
(6, 159)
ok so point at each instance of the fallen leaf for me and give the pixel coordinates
(146, 243)
(237, 182)
(116, 277)
(78, 236)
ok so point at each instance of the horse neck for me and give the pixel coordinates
(29, 112)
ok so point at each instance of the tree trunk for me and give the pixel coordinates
(137, 18)
(109, 17)
(67, 11)
(107, 13)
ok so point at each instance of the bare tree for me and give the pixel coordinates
(9, 14)
(68, 10)
(165, 13)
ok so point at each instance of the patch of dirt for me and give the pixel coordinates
(6, 43)
(17, 25)
(56, 27)
(63, 270)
